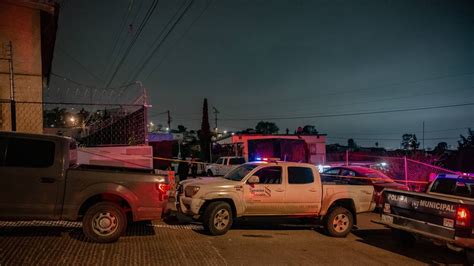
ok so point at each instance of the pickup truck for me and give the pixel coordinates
(443, 215)
(224, 165)
(273, 189)
(41, 181)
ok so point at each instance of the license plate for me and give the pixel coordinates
(448, 222)
(387, 219)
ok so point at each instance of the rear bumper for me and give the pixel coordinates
(147, 213)
(426, 230)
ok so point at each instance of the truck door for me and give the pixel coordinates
(268, 196)
(30, 178)
(303, 193)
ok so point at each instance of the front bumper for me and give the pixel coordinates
(188, 206)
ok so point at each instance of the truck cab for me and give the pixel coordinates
(224, 165)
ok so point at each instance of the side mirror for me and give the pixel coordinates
(253, 180)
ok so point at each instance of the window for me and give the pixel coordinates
(333, 171)
(269, 175)
(300, 175)
(345, 172)
(454, 186)
(240, 172)
(225, 161)
(219, 161)
(29, 153)
(236, 161)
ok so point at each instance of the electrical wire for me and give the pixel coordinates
(351, 114)
(143, 23)
(180, 39)
(140, 69)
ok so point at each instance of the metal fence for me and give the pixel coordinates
(90, 124)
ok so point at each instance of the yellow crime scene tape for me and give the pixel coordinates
(195, 162)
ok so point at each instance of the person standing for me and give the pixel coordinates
(183, 169)
(194, 167)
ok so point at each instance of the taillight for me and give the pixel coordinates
(463, 217)
(163, 189)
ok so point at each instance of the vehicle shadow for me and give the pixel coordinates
(422, 251)
(251, 224)
(58, 229)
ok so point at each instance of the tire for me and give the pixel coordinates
(339, 222)
(104, 222)
(403, 238)
(217, 219)
(209, 173)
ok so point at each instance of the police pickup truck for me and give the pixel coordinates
(444, 214)
(273, 189)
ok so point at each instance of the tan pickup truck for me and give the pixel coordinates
(273, 189)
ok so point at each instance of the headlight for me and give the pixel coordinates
(190, 191)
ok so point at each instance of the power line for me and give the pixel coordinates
(120, 31)
(180, 38)
(80, 64)
(143, 23)
(352, 114)
(90, 86)
(140, 69)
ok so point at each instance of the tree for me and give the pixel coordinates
(181, 129)
(351, 144)
(409, 142)
(205, 133)
(310, 130)
(266, 128)
(466, 142)
(441, 147)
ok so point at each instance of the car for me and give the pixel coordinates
(363, 175)
(271, 189)
(224, 165)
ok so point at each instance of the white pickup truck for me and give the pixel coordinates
(224, 165)
(273, 189)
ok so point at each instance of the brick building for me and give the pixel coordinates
(30, 26)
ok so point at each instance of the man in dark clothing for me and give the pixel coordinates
(194, 168)
(183, 169)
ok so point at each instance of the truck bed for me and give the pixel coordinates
(425, 214)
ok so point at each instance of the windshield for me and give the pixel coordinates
(381, 178)
(240, 172)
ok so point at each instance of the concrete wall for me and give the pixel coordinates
(21, 25)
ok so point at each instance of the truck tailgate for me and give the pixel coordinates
(421, 213)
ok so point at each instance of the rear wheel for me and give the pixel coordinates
(104, 222)
(209, 173)
(339, 222)
(218, 218)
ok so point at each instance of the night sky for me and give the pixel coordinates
(273, 60)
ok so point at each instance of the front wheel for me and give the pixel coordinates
(104, 222)
(217, 218)
(339, 222)
(209, 173)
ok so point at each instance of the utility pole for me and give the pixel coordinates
(215, 116)
(169, 119)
